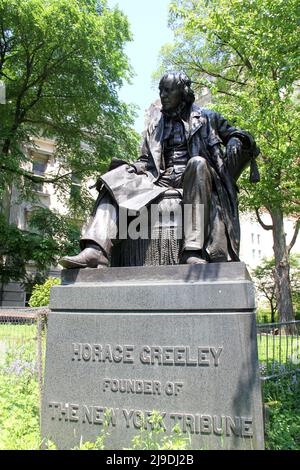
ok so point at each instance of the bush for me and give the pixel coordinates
(19, 399)
(282, 397)
(157, 438)
(41, 292)
(263, 315)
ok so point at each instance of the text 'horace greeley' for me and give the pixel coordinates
(149, 355)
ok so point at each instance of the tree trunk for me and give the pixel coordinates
(282, 269)
(273, 310)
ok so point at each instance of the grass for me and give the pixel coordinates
(19, 398)
(14, 336)
(15, 331)
(282, 398)
(278, 354)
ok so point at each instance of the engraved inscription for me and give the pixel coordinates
(90, 414)
(197, 423)
(218, 425)
(141, 386)
(138, 419)
(103, 353)
(180, 355)
(201, 356)
(147, 387)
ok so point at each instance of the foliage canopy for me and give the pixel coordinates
(62, 63)
(246, 53)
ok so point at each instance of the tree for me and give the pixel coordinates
(295, 282)
(62, 62)
(246, 54)
(52, 236)
(264, 281)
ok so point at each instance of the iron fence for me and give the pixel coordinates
(278, 348)
(23, 340)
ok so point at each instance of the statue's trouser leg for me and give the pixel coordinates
(102, 228)
(217, 244)
(197, 190)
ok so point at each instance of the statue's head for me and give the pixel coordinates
(174, 89)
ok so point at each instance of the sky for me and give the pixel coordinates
(149, 25)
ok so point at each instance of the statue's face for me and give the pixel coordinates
(170, 94)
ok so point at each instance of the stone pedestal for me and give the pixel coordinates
(177, 339)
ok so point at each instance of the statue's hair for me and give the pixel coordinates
(183, 82)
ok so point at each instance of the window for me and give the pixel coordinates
(258, 239)
(75, 188)
(253, 254)
(39, 166)
(38, 187)
(252, 237)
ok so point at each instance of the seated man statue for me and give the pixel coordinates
(185, 147)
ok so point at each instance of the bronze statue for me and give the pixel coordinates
(185, 147)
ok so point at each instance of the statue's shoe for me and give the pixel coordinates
(192, 257)
(87, 258)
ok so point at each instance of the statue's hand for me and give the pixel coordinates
(137, 167)
(131, 169)
(233, 148)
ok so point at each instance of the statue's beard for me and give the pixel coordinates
(174, 112)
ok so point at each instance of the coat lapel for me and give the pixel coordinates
(196, 121)
(156, 133)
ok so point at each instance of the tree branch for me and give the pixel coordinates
(233, 65)
(49, 68)
(226, 93)
(294, 238)
(197, 65)
(218, 75)
(39, 179)
(218, 90)
(264, 226)
(33, 102)
(6, 76)
(20, 113)
(245, 60)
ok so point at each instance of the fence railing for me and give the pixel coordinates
(278, 348)
(23, 336)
